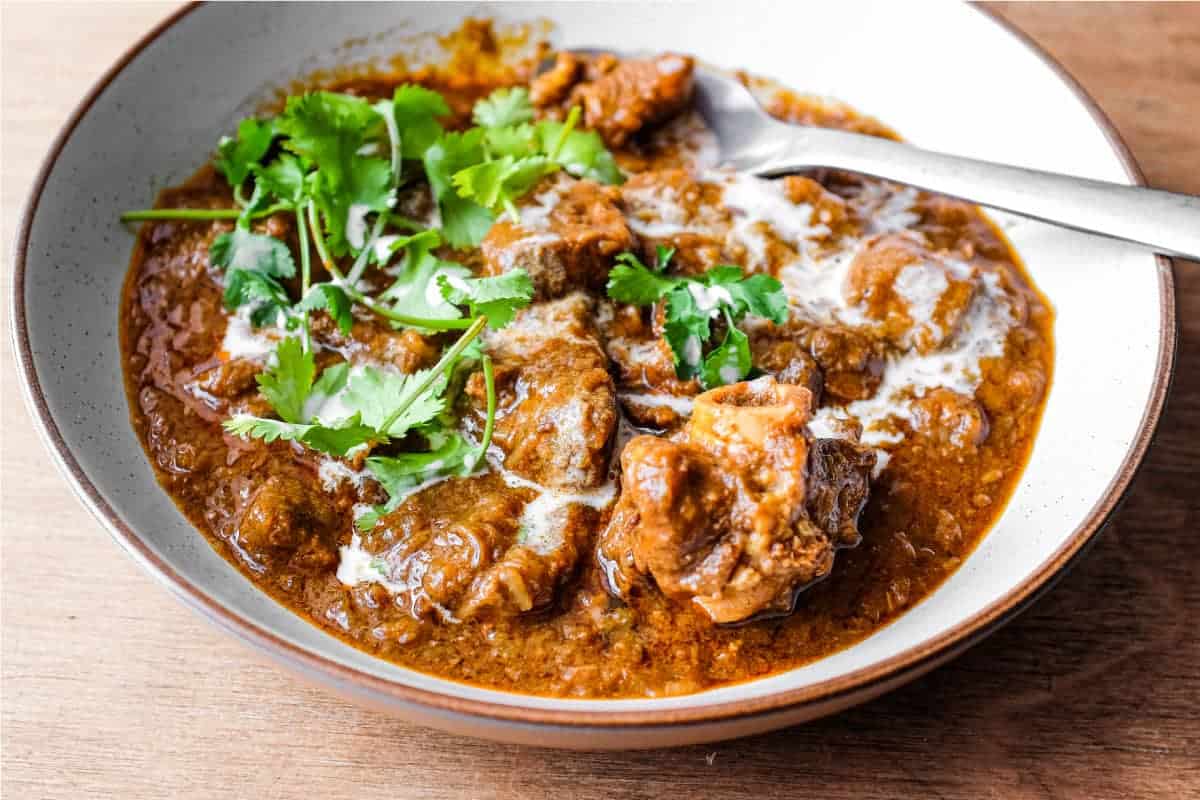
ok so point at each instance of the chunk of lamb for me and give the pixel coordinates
(619, 98)
(463, 552)
(285, 524)
(917, 297)
(671, 208)
(570, 232)
(556, 410)
(720, 515)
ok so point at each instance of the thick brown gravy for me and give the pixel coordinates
(948, 459)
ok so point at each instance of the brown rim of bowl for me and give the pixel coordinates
(895, 670)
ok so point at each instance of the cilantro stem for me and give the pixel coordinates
(489, 382)
(305, 274)
(404, 223)
(354, 294)
(197, 214)
(568, 126)
(445, 362)
(360, 263)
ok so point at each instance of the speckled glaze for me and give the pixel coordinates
(153, 119)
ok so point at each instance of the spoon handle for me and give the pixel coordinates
(1168, 223)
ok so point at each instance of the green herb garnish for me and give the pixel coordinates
(690, 306)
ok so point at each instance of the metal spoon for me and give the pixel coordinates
(753, 141)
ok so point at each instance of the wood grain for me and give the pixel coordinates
(112, 689)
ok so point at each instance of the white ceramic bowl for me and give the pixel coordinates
(946, 77)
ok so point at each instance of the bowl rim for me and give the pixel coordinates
(832, 693)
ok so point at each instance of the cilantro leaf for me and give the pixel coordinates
(334, 441)
(284, 177)
(332, 299)
(728, 363)
(329, 129)
(287, 382)
(631, 281)
(245, 287)
(415, 110)
(237, 157)
(464, 221)
(582, 153)
(416, 290)
(332, 381)
(451, 454)
(496, 297)
(690, 305)
(686, 329)
(504, 107)
(760, 295)
(497, 184)
(374, 394)
(514, 140)
(256, 252)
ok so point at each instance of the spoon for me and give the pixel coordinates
(751, 140)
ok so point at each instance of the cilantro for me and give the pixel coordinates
(415, 110)
(332, 381)
(334, 301)
(284, 178)
(496, 185)
(631, 281)
(451, 454)
(252, 263)
(376, 395)
(416, 288)
(504, 107)
(581, 153)
(692, 303)
(237, 157)
(729, 362)
(498, 298)
(328, 130)
(464, 222)
(287, 383)
(334, 441)
(256, 252)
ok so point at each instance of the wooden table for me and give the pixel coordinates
(113, 689)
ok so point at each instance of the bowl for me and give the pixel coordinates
(946, 77)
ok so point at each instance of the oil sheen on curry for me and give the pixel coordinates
(495, 373)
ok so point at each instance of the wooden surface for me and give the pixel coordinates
(113, 689)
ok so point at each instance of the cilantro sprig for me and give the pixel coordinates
(692, 303)
(335, 163)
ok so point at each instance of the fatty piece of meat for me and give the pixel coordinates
(569, 233)
(672, 208)
(556, 410)
(719, 516)
(619, 98)
(284, 524)
(918, 298)
(462, 553)
(839, 484)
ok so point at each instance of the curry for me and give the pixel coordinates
(585, 415)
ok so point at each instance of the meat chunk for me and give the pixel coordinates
(471, 548)
(552, 86)
(619, 98)
(671, 208)
(787, 360)
(557, 403)
(284, 524)
(839, 474)
(719, 516)
(847, 364)
(566, 239)
(917, 297)
(952, 421)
